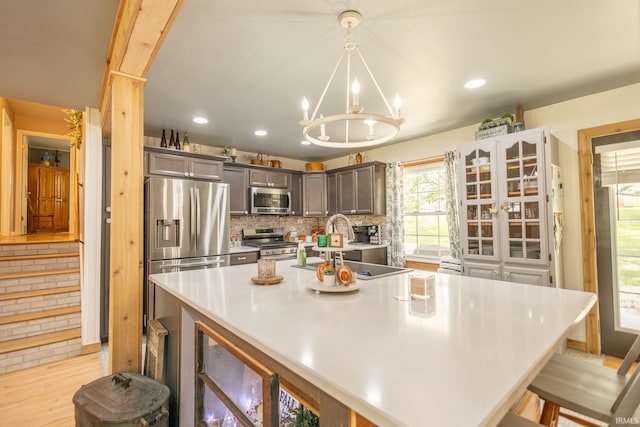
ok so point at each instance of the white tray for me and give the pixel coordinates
(320, 287)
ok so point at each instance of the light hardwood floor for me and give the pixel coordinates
(42, 396)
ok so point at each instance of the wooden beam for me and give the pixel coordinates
(140, 28)
(126, 283)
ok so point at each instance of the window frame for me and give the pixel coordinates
(442, 227)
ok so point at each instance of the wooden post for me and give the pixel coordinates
(127, 201)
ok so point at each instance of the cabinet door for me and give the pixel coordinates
(346, 192)
(61, 209)
(315, 195)
(522, 200)
(296, 194)
(168, 165)
(279, 179)
(259, 178)
(529, 276)
(478, 207)
(205, 169)
(482, 270)
(332, 193)
(238, 179)
(364, 190)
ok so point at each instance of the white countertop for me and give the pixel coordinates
(463, 365)
(353, 246)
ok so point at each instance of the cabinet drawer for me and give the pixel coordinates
(244, 258)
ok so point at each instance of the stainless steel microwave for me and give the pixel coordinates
(273, 201)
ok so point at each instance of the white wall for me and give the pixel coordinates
(563, 120)
(90, 236)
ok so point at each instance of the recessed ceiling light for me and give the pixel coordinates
(260, 132)
(305, 142)
(200, 120)
(475, 83)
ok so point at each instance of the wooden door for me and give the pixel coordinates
(61, 209)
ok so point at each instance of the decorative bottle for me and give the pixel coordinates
(163, 140)
(172, 142)
(358, 158)
(177, 141)
(185, 143)
(302, 255)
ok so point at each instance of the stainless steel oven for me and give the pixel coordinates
(270, 242)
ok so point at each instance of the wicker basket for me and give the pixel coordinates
(314, 166)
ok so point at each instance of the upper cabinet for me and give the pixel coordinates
(506, 212)
(180, 165)
(269, 178)
(296, 194)
(361, 190)
(238, 180)
(315, 194)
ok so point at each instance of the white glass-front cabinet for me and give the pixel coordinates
(506, 216)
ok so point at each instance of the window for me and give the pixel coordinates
(425, 218)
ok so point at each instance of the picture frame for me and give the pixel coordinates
(335, 240)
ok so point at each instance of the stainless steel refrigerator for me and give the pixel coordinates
(186, 228)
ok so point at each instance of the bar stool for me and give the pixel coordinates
(592, 390)
(512, 420)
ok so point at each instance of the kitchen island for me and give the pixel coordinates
(459, 358)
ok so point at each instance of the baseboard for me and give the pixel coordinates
(577, 345)
(90, 348)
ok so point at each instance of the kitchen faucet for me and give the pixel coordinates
(330, 222)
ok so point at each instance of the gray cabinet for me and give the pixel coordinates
(238, 180)
(296, 194)
(361, 190)
(243, 258)
(269, 178)
(177, 165)
(332, 193)
(315, 194)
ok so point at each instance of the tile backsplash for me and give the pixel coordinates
(302, 225)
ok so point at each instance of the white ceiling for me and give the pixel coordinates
(247, 64)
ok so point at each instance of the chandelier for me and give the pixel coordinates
(355, 127)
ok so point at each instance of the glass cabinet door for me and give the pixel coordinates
(478, 207)
(232, 389)
(522, 201)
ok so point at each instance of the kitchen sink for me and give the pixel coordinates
(365, 271)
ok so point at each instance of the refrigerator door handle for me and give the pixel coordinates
(198, 207)
(193, 217)
(185, 266)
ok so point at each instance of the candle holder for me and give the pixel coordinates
(233, 158)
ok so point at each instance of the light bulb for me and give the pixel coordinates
(355, 89)
(398, 103)
(305, 108)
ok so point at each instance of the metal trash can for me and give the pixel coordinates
(124, 399)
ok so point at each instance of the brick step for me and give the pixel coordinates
(39, 340)
(34, 315)
(38, 256)
(38, 273)
(39, 292)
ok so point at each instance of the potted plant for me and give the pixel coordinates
(300, 417)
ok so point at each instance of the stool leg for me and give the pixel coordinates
(550, 414)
